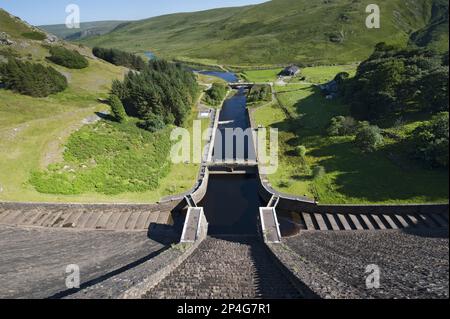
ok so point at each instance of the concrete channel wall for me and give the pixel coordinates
(306, 205)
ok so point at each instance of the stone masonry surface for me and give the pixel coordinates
(413, 264)
(33, 261)
(231, 267)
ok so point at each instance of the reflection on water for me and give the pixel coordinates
(150, 55)
(232, 204)
(227, 76)
(234, 115)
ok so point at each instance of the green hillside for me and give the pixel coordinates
(86, 29)
(275, 32)
(435, 34)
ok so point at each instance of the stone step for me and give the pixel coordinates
(231, 267)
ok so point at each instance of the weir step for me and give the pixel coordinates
(371, 221)
(122, 219)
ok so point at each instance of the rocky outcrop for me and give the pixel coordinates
(5, 39)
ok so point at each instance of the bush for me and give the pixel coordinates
(318, 172)
(108, 158)
(69, 59)
(34, 35)
(342, 126)
(369, 138)
(430, 141)
(215, 95)
(117, 108)
(259, 93)
(396, 81)
(153, 123)
(122, 58)
(301, 151)
(284, 184)
(31, 79)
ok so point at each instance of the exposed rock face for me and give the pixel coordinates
(51, 38)
(4, 39)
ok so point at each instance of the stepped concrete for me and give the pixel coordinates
(93, 217)
(229, 267)
(413, 263)
(366, 221)
(33, 261)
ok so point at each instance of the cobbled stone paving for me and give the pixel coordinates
(231, 267)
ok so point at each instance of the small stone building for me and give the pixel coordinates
(290, 71)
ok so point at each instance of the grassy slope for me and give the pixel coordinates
(99, 27)
(352, 177)
(279, 31)
(34, 130)
(435, 34)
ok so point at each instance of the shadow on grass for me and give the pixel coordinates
(385, 175)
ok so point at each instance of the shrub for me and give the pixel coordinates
(69, 59)
(117, 108)
(397, 80)
(369, 138)
(34, 35)
(118, 57)
(301, 151)
(284, 183)
(318, 172)
(259, 93)
(108, 158)
(430, 141)
(153, 123)
(31, 79)
(215, 95)
(342, 126)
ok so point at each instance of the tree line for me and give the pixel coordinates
(68, 58)
(397, 81)
(120, 58)
(161, 94)
(391, 84)
(31, 78)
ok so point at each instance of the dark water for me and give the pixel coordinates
(227, 76)
(235, 116)
(150, 55)
(232, 204)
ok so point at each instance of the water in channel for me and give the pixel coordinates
(232, 202)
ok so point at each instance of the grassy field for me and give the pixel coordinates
(276, 32)
(33, 134)
(34, 131)
(322, 74)
(269, 75)
(386, 176)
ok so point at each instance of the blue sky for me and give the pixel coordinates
(53, 11)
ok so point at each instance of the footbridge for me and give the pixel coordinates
(233, 166)
(248, 85)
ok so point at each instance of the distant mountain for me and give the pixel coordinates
(281, 31)
(86, 29)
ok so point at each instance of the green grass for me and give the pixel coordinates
(272, 33)
(34, 132)
(259, 76)
(323, 74)
(108, 158)
(99, 27)
(386, 176)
